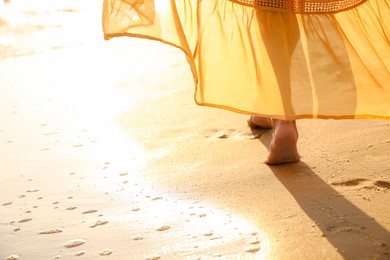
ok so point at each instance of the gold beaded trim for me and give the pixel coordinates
(303, 6)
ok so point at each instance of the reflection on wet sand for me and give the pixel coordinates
(75, 181)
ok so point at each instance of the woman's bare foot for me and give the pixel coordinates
(283, 147)
(260, 122)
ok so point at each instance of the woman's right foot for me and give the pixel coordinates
(283, 147)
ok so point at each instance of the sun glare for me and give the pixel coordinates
(77, 87)
(162, 5)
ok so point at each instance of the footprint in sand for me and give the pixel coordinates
(234, 134)
(163, 228)
(51, 231)
(220, 135)
(12, 257)
(382, 184)
(99, 223)
(137, 238)
(352, 182)
(25, 220)
(7, 203)
(75, 242)
(252, 249)
(106, 252)
(355, 182)
(105, 164)
(89, 211)
(51, 133)
(253, 241)
(71, 208)
(80, 253)
(153, 257)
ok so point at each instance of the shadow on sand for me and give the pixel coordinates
(351, 231)
(355, 234)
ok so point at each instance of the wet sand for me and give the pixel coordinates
(104, 154)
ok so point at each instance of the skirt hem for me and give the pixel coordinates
(298, 116)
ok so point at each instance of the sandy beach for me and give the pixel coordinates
(103, 153)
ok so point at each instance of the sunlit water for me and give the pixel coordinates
(28, 27)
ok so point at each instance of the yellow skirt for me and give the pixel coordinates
(275, 62)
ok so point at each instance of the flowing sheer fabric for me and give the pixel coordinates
(280, 64)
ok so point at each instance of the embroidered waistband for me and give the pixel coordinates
(303, 6)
